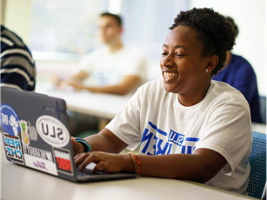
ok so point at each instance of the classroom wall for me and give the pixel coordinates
(3, 6)
(248, 14)
(250, 17)
(18, 17)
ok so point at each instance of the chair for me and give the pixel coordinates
(263, 108)
(257, 161)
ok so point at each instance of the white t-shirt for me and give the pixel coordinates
(156, 120)
(107, 68)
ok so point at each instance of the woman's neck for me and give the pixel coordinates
(195, 96)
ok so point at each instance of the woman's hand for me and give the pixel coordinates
(105, 161)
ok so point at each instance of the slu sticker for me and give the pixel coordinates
(52, 131)
(9, 120)
(63, 161)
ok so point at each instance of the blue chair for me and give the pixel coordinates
(263, 108)
(257, 161)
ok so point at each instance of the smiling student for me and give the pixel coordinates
(187, 126)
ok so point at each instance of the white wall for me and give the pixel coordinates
(249, 15)
(18, 17)
(3, 6)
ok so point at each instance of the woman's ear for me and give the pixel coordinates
(211, 63)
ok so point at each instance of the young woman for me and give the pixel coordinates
(187, 126)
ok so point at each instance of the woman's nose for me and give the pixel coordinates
(167, 61)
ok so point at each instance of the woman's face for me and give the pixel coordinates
(182, 64)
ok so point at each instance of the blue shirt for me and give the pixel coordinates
(17, 65)
(240, 75)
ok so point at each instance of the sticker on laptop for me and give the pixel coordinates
(52, 131)
(40, 164)
(13, 148)
(9, 120)
(39, 153)
(63, 161)
(24, 132)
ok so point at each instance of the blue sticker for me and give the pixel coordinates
(9, 120)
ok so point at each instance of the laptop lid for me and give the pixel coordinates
(35, 132)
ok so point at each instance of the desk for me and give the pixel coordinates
(259, 127)
(20, 183)
(95, 104)
(101, 105)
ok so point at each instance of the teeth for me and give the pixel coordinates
(169, 75)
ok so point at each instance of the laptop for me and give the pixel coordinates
(35, 134)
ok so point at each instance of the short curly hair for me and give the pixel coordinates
(230, 19)
(216, 33)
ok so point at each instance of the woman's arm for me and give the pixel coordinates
(200, 166)
(105, 141)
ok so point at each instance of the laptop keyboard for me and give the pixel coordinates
(87, 175)
(88, 172)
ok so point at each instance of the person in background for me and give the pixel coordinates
(17, 65)
(113, 69)
(188, 126)
(239, 74)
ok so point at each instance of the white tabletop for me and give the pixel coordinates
(95, 104)
(259, 127)
(20, 183)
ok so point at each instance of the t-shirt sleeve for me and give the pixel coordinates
(227, 133)
(126, 124)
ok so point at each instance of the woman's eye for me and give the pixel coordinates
(164, 53)
(180, 55)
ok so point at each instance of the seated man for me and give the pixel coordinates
(114, 68)
(239, 74)
(17, 65)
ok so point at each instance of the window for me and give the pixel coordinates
(69, 27)
(65, 26)
(147, 22)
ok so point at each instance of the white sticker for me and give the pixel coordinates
(40, 164)
(52, 131)
(40, 153)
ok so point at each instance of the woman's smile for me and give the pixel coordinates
(168, 76)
